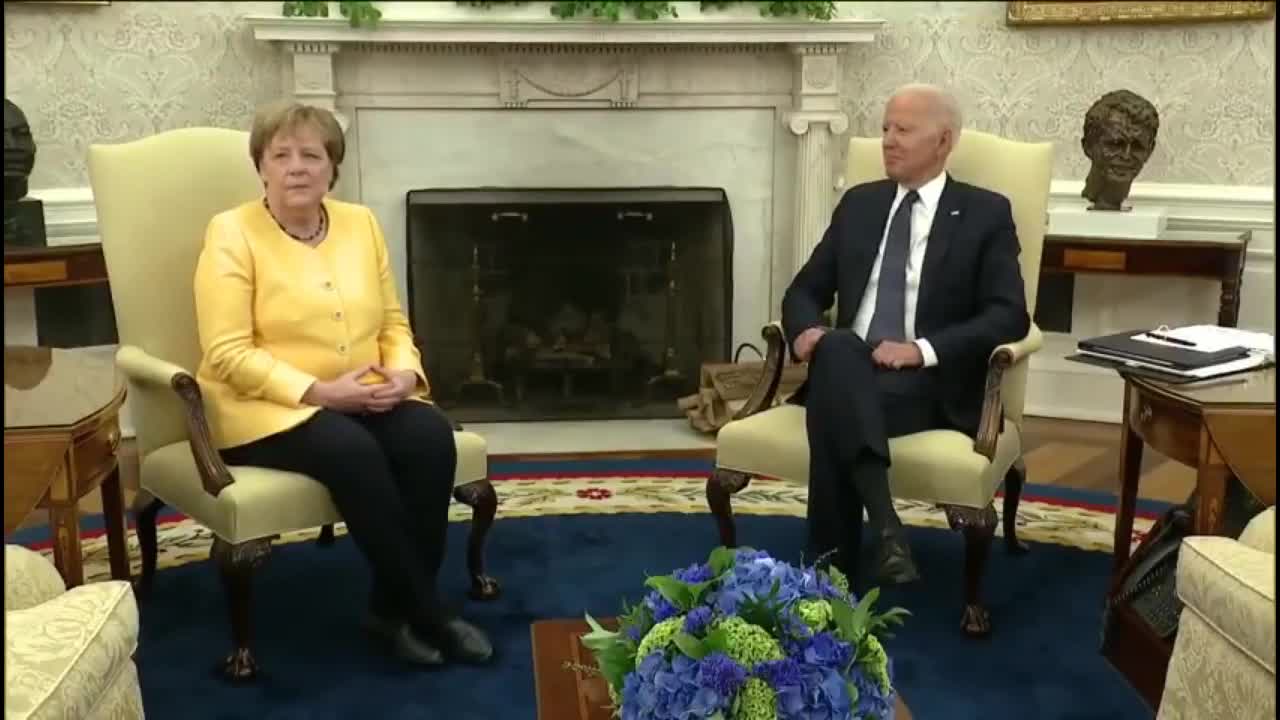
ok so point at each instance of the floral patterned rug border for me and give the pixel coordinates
(182, 541)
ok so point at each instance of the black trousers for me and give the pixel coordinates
(852, 408)
(391, 476)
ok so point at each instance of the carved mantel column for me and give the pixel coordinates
(816, 116)
(313, 76)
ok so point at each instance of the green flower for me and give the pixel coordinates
(659, 637)
(756, 701)
(749, 644)
(815, 613)
(875, 661)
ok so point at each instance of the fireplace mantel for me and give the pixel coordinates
(445, 30)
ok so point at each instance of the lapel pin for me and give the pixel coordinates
(955, 212)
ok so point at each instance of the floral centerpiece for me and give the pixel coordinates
(746, 636)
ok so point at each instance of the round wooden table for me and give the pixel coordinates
(61, 432)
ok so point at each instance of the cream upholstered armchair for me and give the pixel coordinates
(942, 467)
(67, 653)
(154, 199)
(1224, 659)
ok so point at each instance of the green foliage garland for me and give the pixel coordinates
(364, 14)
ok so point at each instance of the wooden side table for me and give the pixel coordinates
(1214, 255)
(1224, 428)
(61, 432)
(54, 266)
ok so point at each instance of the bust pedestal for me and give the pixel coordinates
(1145, 223)
(24, 224)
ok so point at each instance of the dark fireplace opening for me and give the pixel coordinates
(568, 304)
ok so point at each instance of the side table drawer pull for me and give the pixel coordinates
(113, 439)
(1144, 416)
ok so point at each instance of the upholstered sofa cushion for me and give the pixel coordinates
(938, 466)
(64, 657)
(261, 502)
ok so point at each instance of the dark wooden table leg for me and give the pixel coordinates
(114, 519)
(1232, 277)
(1212, 478)
(1130, 470)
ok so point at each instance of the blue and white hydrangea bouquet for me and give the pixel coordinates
(745, 636)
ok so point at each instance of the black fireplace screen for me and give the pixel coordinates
(568, 304)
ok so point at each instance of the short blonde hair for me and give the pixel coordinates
(287, 116)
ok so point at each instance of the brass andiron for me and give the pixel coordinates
(476, 376)
(670, 375)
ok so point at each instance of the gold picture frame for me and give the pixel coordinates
(1051, 12)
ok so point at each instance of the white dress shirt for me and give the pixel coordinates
(921, 221)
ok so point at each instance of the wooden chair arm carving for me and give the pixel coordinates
(766, 389)
(141, 367)
(1002, 358)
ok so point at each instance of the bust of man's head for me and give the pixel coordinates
(1119, 137)
(19, 152)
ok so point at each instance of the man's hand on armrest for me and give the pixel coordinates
(806, 342)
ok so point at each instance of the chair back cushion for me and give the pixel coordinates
(1021, 171)
(154, 199)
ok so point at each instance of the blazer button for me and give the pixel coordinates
(342, 349)
(337, 315)
(328, 285)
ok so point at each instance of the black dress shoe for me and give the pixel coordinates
(407, 646)
(465, 642)
(895, 566)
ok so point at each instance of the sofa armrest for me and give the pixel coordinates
(1233, 587)
(140, 366)
(61, 656)
(1260, 533)
(1002, 359)
(29, 579)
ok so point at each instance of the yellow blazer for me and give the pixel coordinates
(275, 316)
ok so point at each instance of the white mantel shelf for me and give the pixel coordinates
(692, 31)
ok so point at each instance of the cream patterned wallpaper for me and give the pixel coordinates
(130, 69)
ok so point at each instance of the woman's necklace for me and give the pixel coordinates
(320, 227)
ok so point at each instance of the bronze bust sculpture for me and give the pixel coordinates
(23, 216)
(1119, 137)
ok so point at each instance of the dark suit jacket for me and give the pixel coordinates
(971, 293)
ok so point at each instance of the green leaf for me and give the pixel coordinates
(676, 592)
(599, 638)
(614, 655)
(717, 641)
(691, 646)
(721, 560)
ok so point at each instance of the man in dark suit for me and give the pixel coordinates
(927, 275)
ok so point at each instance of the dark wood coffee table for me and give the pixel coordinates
(565, 694)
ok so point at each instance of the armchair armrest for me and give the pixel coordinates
(1002, 358)
(143, 368)
(775, 357)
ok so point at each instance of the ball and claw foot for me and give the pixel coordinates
(976, 622)
(240, 666)
(485, 588)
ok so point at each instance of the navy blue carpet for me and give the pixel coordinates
(1041, 662)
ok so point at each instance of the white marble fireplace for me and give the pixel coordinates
(445, 96)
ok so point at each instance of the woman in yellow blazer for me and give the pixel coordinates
(310, 366)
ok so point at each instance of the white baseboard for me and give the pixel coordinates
(1057, 388)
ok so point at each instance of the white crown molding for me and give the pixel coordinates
(695, 29)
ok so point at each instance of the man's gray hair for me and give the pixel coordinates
(944, 103)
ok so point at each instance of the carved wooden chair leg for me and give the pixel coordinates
(1013, 482)
(236, 564)
(483, 501)
(326, 537)
(720, 489)
(978, 527)
(147, 541)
